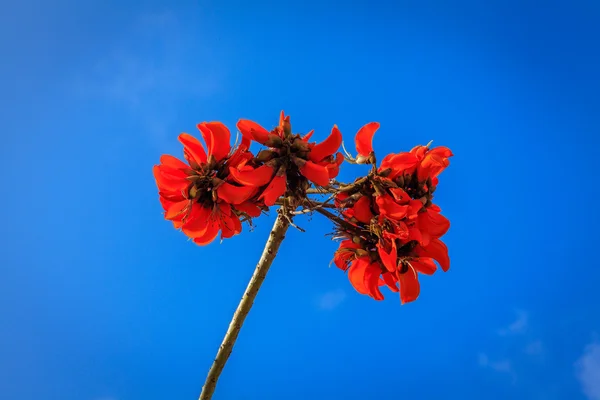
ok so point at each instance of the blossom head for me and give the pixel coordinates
(390, 226)
(290, 161)
(199, 195)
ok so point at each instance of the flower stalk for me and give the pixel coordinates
(282, 223)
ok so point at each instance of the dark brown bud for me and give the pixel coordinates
(361, 252)
(300, 144)
(400, 181)
(273, 141)
(265, 155)
(298, 161)
(386, 172)
(356, 239)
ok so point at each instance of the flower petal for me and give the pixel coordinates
(168, 183)
(389, 260)
(372, 281)
(230, 226)
(306, 137)
(437, 250)
(362, 209)
(327, 147)
(389, 208)
(274, 190)
(176, 211)
(315, 173)
(211, 232)
(253, 131)
(409, 285)
(424, 265)
(173, 162)
(249, 208)
(434, 223)
(364, 138)
(234, 194)
(193, 146)
(198, 224)
(356, 274)
(221, 138)
(253, 177)
(390, 280)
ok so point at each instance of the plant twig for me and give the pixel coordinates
(350, 227)
(270, 251)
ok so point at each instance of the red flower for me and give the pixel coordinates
(391, 226)
(200, 196)
(289, 160)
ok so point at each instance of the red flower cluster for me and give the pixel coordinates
(289, 161)
(201, 197)
(390, 226)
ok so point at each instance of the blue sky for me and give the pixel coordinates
(102, 300)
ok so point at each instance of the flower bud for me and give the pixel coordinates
(273, 141)
(265, 155)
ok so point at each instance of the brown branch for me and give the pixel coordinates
(321, 191)
(350, 227)
(270, 251)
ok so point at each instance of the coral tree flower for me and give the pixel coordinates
(200, 195)
(289, 162)
(391, 228)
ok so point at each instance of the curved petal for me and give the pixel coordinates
(344, 254)
(390, 280)
(234, 194)
(437, 250)
(400, 195)
(168, 183)
(193, 147)
(197, 226)
(372, 281)
(173, 162)
(274, 190)
(434, 223)
(249, 208)
(253, 177)
(424, 265)
(364, 138)
(356, 274)
(327, 147)
(220, 140)
(409, 285)
(315, 173)
(210, 234)
(253, 131)
(306, 137)
(389, 260)
(176, 211)
(230, 226)
(362, 209)
(389, 208)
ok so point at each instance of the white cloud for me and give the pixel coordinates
(503, 366)
(331, 300)
(518, 326)
(588, 371)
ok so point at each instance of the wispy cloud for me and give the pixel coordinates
(331, 300)
(588, 371)
(503, 366)
(518, 326)
(151, 71)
